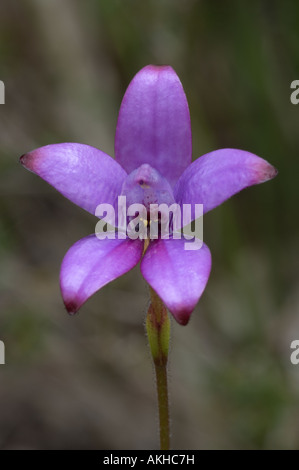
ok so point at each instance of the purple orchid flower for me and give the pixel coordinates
(152, 164)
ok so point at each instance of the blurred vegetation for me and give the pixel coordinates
(86, 382)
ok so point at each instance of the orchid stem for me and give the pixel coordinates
(162, 391)
(158, 332)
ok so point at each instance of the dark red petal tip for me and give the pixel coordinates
(182, 317)
(265, 172)
(71, 306)
(23, 159)
(270, 172)
(183, 321)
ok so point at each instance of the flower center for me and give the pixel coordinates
(146, 186)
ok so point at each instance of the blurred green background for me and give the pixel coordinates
(87, 381)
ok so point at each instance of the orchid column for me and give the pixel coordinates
(152, 166)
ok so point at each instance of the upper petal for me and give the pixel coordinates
(179, 276)
(91, 263)
(218, 175)
(154, 124)
(85, 175)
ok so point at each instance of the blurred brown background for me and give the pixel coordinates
(87, 381)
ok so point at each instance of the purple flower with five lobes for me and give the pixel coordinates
(152, 164)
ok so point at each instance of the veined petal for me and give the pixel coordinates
(91, 263)
(154, 124)
(216, 176)
(85, 175)
(179, 276)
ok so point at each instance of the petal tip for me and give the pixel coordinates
(23, 159)
(71, 306)
(27, 161)
(265, 172)
(183, 319)
(158, 68)
(274, 172)
(182, 315)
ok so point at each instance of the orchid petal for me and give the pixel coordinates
(154, 124)
(218, 175)
(85, 175)
(92, 263)
(179, 276)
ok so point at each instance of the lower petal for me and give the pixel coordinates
(178, 275)
(91, 263)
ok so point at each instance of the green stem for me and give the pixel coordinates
(162, 390)
(158, 331)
